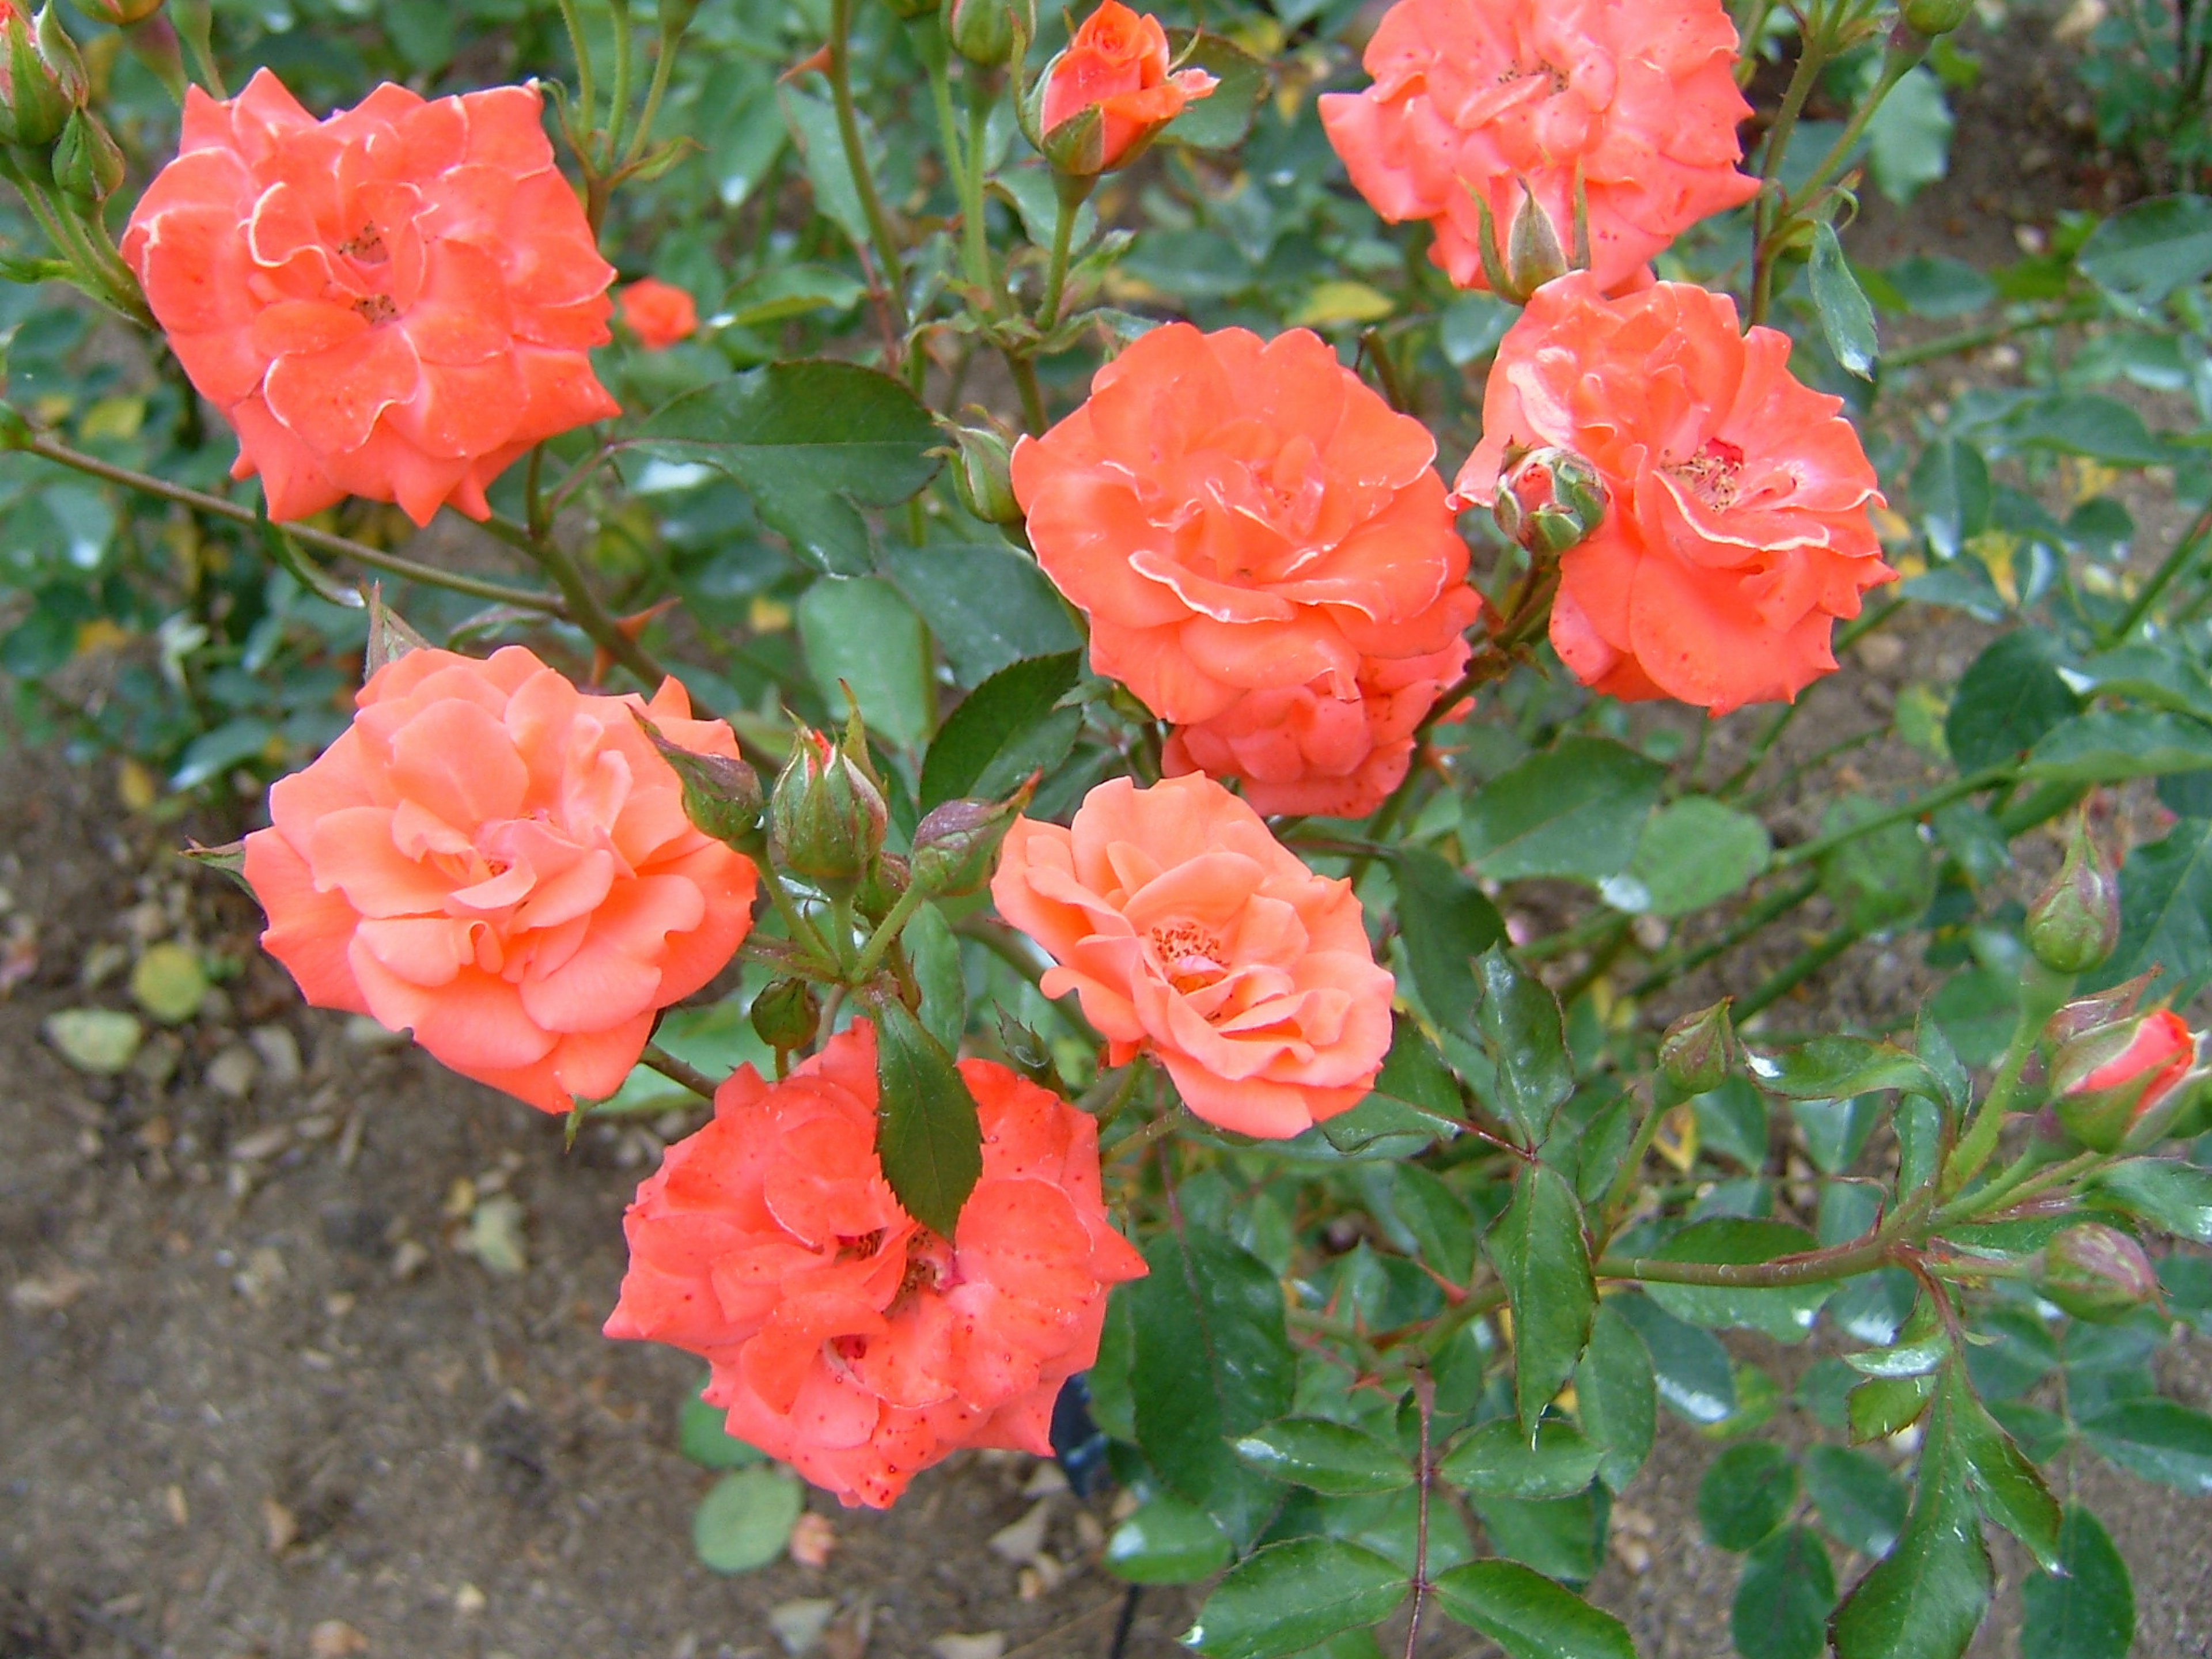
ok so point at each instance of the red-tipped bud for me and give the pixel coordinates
(956, 845)
(42, 79)
(826, 816)
(2075, 922)
(2093, 1013)
(1699, 1050)
(1548, 500)
(2098, 1272)
(2117, 1087)
(721, 796)
(121, 13)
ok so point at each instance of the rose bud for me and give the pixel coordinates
(2075, 922)
(826, 816)
(2093, 1013)
(121, 13)
(786, 1013)
(2098, 1272)
(42, 79)
(2119, 1087)
(1106, 97)
(721, 796)
(956, 845)
(982, 475)
(87, 162)
(1932, 17)
(1028, 1053)
(1698, 1050)
(887, 878)
(1549, 500)
(983, 31)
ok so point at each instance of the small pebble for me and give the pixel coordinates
(231, 1073)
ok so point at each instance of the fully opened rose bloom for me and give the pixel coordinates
(500, 863)
(1238, 515)
(1191, 933)
(1305, 751)
(396, 302)
(660, 313)
(1635, 98)
(1738, 528)
(845, 1338)
(1118, 65)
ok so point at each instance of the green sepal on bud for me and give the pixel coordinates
(985, 32)
(1549, 499)
(42, 80)
(87, 162)
(1933, 17)
(721, 796)
(786, 1014)
(1028, 1053)
(956, 845)
(2075, 922)
(826, 815)
(2098, 1273)
(982, 473)
(1698, 1051)
(1535, 255)
(881, 888)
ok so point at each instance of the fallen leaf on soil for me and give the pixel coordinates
(279, 1525)
(334, 1639)
(1021, 1541)
(169, 982)
(987, 1644)
(101, 1041)
(496, 1236)
(173, 1499)
(799, 1625)
(812, 1539)
(50, 1294)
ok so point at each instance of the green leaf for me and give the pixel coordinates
(1846, 319)
(1908, 137)
(1861, 1505)
(2011, 1492)
(814, 130)
(746, 1518)
(861, 632)
(1005, 729)
(1783, 1598)
(1732, 1121)
(926, 1131)
(1518, 1019)
(1221, 118)
(701, 1438)
(1415, 1094)
(1213, 1358)
(1326, 1457)
(989, 607)
(1539, 1250)
(1826, 1068)
(1881, 1406)
(1785, 1314)
(2108, 745)
(1615, 1396)
(2158, 1439)
(1692, 853)
(1529, 1616)
(1879, 879)
(1835, 1131)
(1445, 922)
(2166, 1192)
(1292, 1594)
(1939, 287)
(2144, 253)
(2166, 912)
(1497, 1460)
(1951, 483)
(2162, 677)
(811, 441)
(1689, 1367)
(2086, 424)
(1923, 1599)
(1436, 1222)
(1167, 1540)
(2012, 695)
(1575, 810)
(1748, 1492)
(934, 955)
(2086, 1611)
(783, 292)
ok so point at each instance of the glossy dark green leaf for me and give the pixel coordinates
(2011, 696)
(1879, 879)
(1835, 1131)
(1439, 1225)
(2011, 1490)
(1539, 1250)
(1167, 1540)
(812, 442)
(1951, 487)
(2086, 1611)
(1576, 810)
(1326, 1457)
(1691, 853)
(1689, 1366)
(1529, 1616)
(1783, 1598)
(1445, 922)
(2086, 424)
(1826, 1068)
(2166, 911)
(1784, 1314)
(1924, 1599)
(2146, 251)
(2161, 676)
(1748, 1492)
(1415, 1094)
(2167, 1192)
(1497, 1459)
(1616, 1397)
(2110, 745)
(1846, 319)
(989, 607)
(1859, 1504)
(1881, 1405)
(1518, 1019)
(2158, 1439)
(1005, 724)
(1934, 286)
(1558, 1537)
(1290, 1595)
(927, 1130)
(1219, 120)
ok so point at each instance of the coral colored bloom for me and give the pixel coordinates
(1238, 515)
(2160, 1050)
(1190, 932)
(1738, 529)
(660, 313)
(1635, 98)
(396, 302)
(1307, 751)
(500, 863)
(1117, 64)
(845, 1338)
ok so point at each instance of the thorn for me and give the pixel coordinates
(630, 627)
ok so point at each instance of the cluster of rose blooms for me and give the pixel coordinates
(397, 301)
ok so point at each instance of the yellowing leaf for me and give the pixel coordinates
(1342, 302)
(113, 417)
(767, 615)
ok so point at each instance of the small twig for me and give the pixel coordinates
(1424, 1397)
(678, 1071)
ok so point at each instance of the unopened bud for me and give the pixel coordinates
(2075, 922)
(121, 13)
(42, 79)
(721, 796)
(983, 31)
(786, 1014)
(88, 163)
(2093, 1013)
(2098, 1272)
(1548, 500)
(1932, 17)
(2119, 1086)
(1027, 1052)
(826, 816)
(956, 845)
(1699, 1050)
(982, 474)
(887, 878)
(1534, 254)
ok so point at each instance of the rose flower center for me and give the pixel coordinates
(1189, 955)
(1714, 475)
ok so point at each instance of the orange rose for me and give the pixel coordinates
(660, 313)
(396, 302)
(1738, 529)
(1191, 933)
(1117, 64)
(1305, 751)
(1236, 515)
(496, 860)
(845, 1338)
(1633, 100)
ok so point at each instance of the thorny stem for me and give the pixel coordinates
(887, 931)
(1973, 783)
(2191, 543)
(663, 65)
(1973, 339)
(618, 101)
(583, 605)
(1767, 221)
(586, 91)
(801, 930)
(1158, 1129)
(1894, 66)
(1424, 1397)
(678, 1071)
(1812, 1267)
(863, 182)
(2042, 993)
